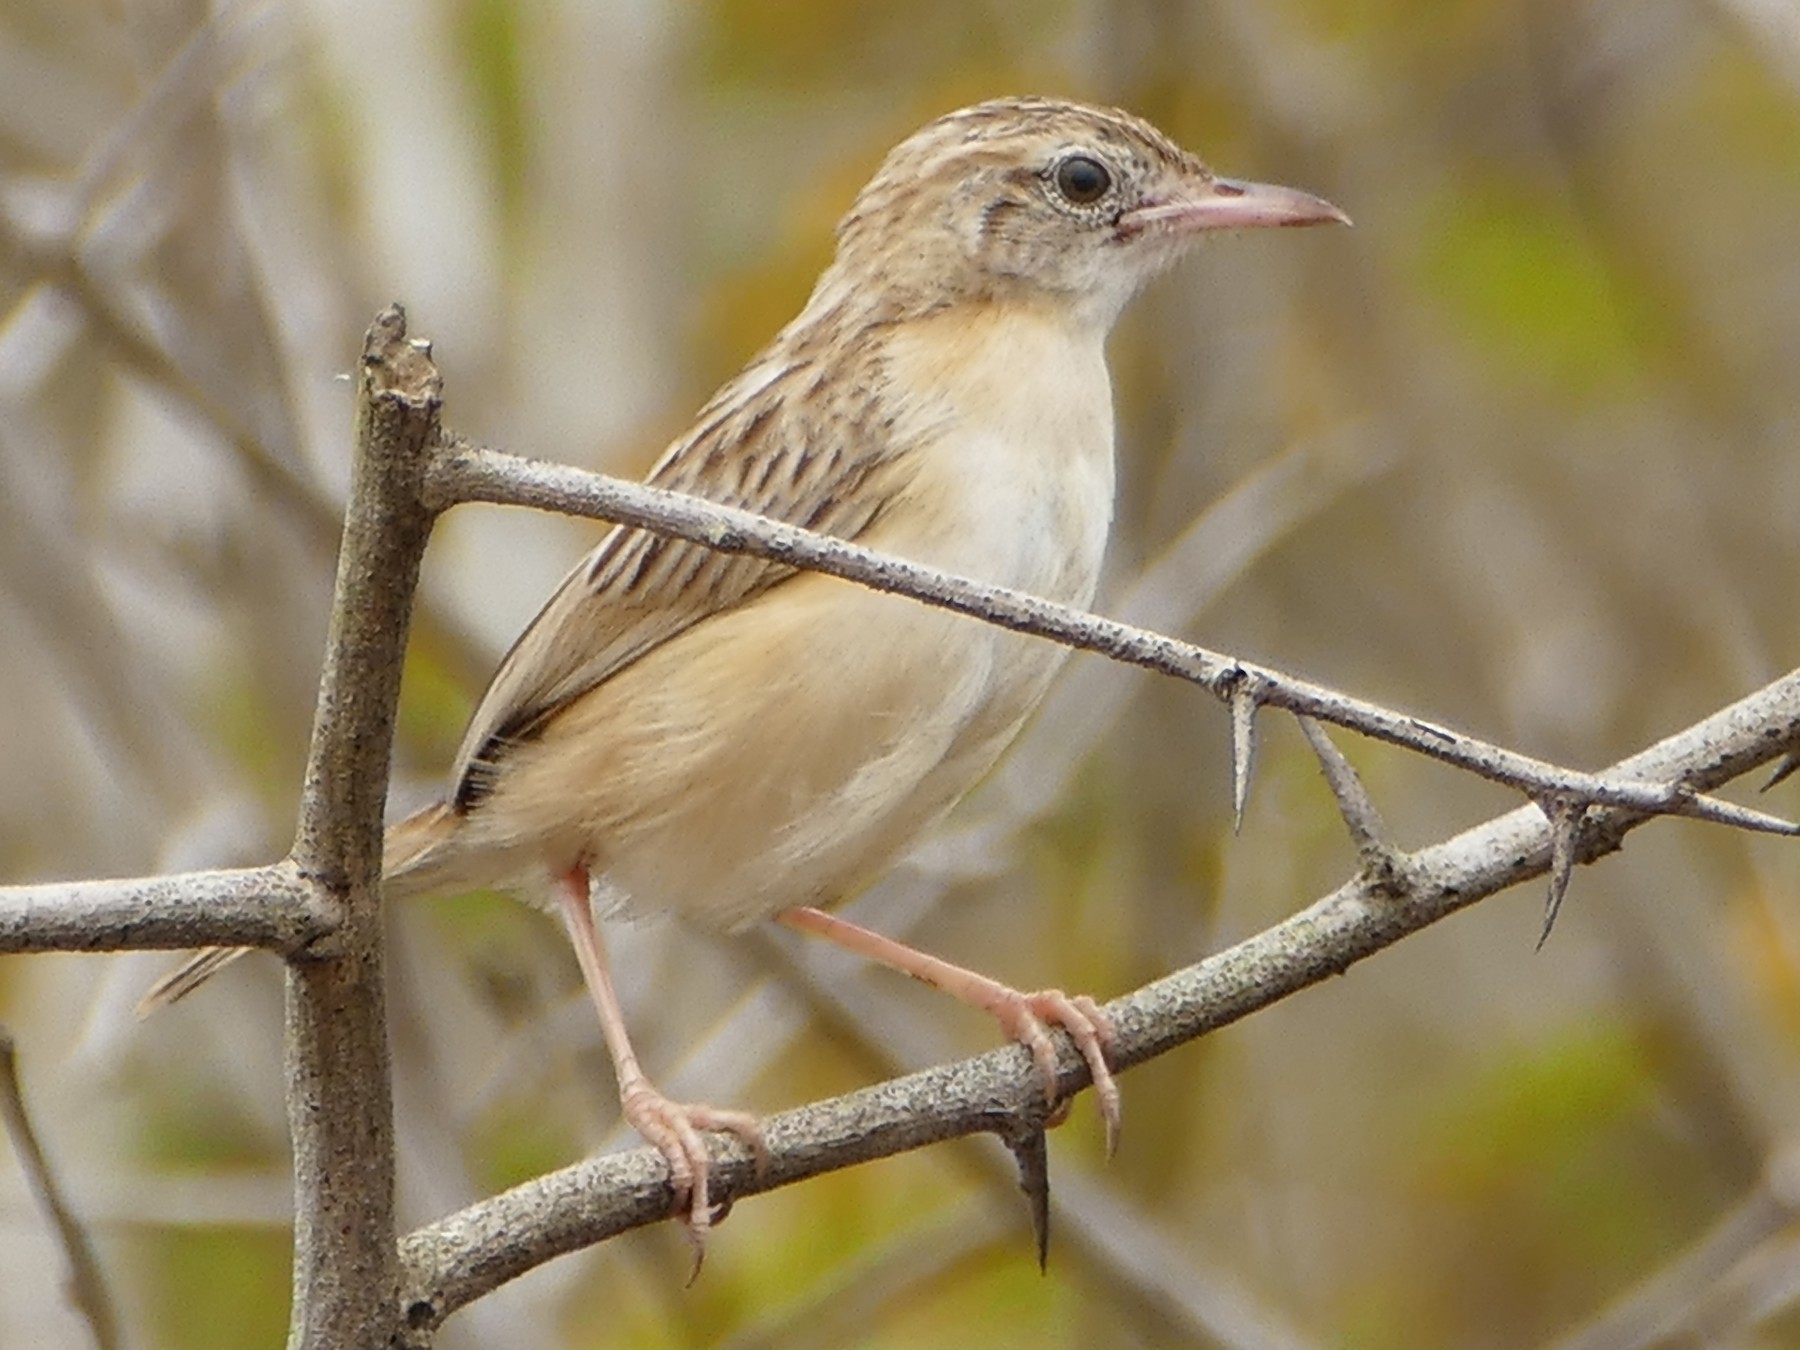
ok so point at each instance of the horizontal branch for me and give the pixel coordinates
(462, 473)
(456, 1260)
(270, 907)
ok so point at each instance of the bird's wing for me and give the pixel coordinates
(783, 440)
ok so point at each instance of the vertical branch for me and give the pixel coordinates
(340, 1108)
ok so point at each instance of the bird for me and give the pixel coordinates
(730, 740)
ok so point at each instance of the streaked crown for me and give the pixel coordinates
(1035, 200)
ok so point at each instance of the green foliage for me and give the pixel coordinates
(238, 717)
(803, 46)
(199, 1129)
(245, 1279)
(1531, 1118)
(1546, 1167)
(1001, 1301)
(434, 706)
(1517, 275)
(519, 1140)
(1753, 116)
(489, 34)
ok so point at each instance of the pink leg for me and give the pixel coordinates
(1022, 1016)
(673, 1128)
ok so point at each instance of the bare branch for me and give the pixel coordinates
(87, 1285)
(463, 1256)
(340, 1105)
(346, 1261)
(269, 907)
(463, 473)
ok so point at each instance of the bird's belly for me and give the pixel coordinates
(784, 752)
(778, 755)
(851, 721)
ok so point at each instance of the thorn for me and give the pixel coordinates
(1565, 817)
(1783, 770)
(1367, 830)
(1701, 807)
(1032, 1154)
(1244, 704)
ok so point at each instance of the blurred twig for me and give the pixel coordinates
(1773, 30)
(87, 1286)
(1675, 1303)
(53, 252)
(317, 512)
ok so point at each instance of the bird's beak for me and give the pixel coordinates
(1231, 204)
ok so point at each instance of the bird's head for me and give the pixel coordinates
(1043, 199)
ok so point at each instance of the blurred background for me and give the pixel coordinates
(1517, 453)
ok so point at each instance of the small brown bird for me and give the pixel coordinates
(733, 740)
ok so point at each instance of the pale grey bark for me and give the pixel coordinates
(355, 1284)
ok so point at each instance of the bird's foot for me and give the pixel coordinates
(674, 1129)
(1026, 1018)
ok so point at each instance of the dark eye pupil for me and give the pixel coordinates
(1081, 180)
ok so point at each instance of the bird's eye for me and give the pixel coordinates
(1082, 181)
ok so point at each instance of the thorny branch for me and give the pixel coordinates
(321, 904)
(463, 1256)
(467, 473)
(87, 916)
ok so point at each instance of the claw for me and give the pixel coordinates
(1024, 1017)
(674, 1130)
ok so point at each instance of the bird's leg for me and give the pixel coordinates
(672, 1127)
(1022, 1016)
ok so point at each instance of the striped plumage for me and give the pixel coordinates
(728, 739)
(960, 235)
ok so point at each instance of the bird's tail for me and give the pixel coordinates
(417, 855)
(187, 977)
